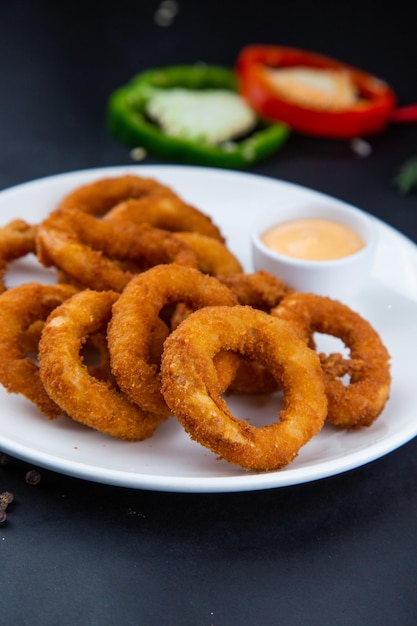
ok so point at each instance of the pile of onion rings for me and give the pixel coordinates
(151, 316)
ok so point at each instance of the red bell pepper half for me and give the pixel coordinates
(369, 113)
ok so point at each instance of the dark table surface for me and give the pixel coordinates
(339, 551)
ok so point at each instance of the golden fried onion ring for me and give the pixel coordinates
(141, 200)
(90, 401)
(135, 316)
(99, 196)
(85, 248)
(168, 212)
(23, 310)
(361, 401)
(17, 239)
(189, 380)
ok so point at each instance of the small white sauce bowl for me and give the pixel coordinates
(342, 278)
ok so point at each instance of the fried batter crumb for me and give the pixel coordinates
(32, 477)
(6, 497)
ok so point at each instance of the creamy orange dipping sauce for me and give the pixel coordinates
(313, 239)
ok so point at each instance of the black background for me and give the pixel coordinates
(341, 551)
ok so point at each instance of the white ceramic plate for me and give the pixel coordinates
(170, 461)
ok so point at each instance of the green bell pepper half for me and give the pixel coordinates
(128, 122)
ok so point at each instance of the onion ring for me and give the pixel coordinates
(90, 401)
(361, 401)
(135, 315)
(98, 197)
(166, 211)
(189, 385)
(152, 202)
(17, 239)
(85, 248)
(22, 311)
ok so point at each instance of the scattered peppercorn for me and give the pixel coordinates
(6, 497)
(32, 477)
